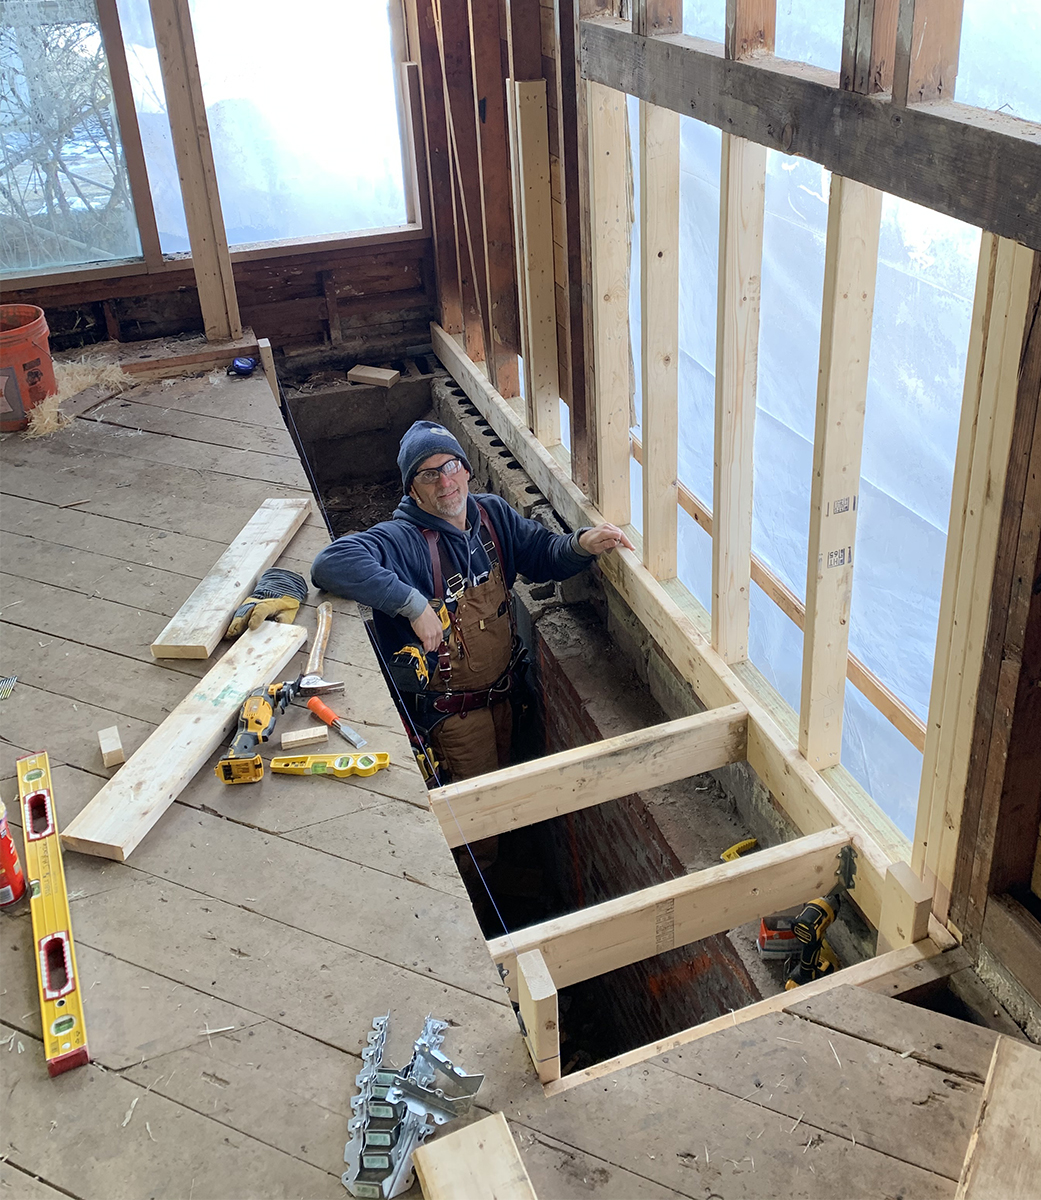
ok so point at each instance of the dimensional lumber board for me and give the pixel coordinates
(127, 807)
(1003, 1161)
(539, 1013)
(200, 622)
(863, 974)
(659, 308)
(380, 376)
(604, 937)
(609, 215)
(854, 220)
(742, 200)
(478, 1162)
(587, 775)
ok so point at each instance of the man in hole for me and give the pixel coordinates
(444, 545)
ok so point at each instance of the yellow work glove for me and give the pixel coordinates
(276, 597)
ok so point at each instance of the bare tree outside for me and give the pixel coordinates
(64, 192)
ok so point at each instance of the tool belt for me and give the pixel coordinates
(431, 708)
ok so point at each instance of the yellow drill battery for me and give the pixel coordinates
(61, 1003)
(339, 765)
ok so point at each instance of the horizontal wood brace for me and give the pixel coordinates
(801, 110)
(803, 794)
(589, 775)
(868, 974)
(862, 677)
(618, 932)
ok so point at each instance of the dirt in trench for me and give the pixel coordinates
(358, 506)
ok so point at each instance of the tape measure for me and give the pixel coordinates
(340, 765)
(61, 1004)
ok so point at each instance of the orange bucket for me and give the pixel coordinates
(26, 368)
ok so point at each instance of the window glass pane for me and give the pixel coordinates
(810, 31)
(794, 233)
(699, 251)
(1000, 60)
(775, 646)
(635, 294)
(65, 198)
(303, 116)
(150, 103)
(694, 556)
(919, 340)
(705, 19)
(881, 760)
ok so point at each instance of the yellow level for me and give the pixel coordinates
(340, 765)
(61, 1004)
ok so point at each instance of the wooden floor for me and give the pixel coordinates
(286, 915)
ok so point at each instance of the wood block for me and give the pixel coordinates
(906, 905)
(539, 1011)
(127, 807)
(1003, 1161)
(111, 746)
(295, 738)
(201, 621)
(478, 1162)
(380, 376)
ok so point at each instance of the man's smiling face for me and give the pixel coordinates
(446, 495)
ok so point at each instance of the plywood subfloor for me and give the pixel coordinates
(286, 915)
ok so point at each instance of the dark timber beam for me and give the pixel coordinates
(999, 828)
(980, 167)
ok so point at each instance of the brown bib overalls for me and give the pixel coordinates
(479, 649)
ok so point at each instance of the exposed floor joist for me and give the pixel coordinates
(618, 932)
(587, 775)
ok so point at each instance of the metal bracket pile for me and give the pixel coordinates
(393, 1110)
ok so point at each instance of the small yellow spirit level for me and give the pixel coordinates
(340, 765)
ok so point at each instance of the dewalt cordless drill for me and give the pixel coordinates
(814, 959)
(410, 665)
(257, 719)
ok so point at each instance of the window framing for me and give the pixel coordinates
(154, 262)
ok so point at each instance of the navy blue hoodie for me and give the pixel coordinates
(388, 566)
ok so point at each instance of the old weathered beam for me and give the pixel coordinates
(911, 152)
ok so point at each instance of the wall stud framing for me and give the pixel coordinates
(742, 198)
(988, 411)
(810, 801)
(186, 109)
(609, 170)
(659, 312)
(854, 219)
(669, 915)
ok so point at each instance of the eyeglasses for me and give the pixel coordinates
(430, 474)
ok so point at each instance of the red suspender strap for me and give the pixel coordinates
(486, 522)
(435, 562)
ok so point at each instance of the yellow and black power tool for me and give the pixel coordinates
(257, 719)
(815, 959)
(410, 664)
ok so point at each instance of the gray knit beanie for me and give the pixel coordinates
(420, 441)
